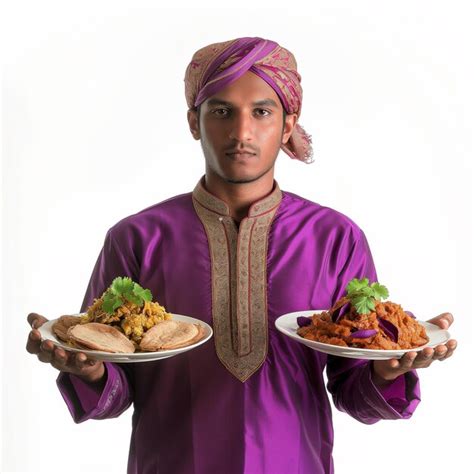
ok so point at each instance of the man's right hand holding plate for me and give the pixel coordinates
(76, 363)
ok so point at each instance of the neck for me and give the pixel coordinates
(239, 196)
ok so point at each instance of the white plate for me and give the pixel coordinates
(287, 325)
(47, 333)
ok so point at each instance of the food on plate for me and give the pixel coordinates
(62, 324)
(361, 319)
(99, 337)
(167, 335)
(120, 320)
(128, 307)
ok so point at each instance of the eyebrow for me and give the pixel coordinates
(258, 103)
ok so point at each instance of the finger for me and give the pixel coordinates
(58, 365)
(406, 362)
(451, 346)
(447, 356)
(444, 350)
(60, 357)
(46, 351)
(81, 360)
(439, 352)
(425, 354)
(423, 358)
(33, 342)
(47, 345)
(444, 320)
(64, 360)
(449, 318)
(394, 363)
(61, 360)
(87, 363)
(44, 356)
(36, 320)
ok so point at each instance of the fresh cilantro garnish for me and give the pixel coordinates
(363, 296)
(121, 290)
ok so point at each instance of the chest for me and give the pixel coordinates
(266, 264)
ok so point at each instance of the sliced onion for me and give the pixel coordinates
(303, 321)
(339, 313)
(410, 314)
(364, 333)
(390, 329)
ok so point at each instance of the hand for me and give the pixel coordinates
(75, 363)
(385, 371)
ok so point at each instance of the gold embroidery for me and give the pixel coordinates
(239, 279)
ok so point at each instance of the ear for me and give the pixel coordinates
(194, 124)
(290, 122)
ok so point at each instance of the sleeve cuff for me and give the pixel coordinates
(397, 399)
(84, 400)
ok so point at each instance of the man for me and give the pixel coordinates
(237, 253)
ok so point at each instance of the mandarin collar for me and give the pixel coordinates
(257, 208)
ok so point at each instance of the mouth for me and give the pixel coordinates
(240, 155)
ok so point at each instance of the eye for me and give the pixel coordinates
(267, 112)
(220, 110)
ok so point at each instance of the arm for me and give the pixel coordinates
(351, 382)
(113, 393)
(107, 399)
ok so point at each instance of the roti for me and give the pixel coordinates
(100, 337)
(170, 334)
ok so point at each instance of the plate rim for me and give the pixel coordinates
(128, 356)
(390, 353)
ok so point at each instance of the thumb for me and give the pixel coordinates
(36, 320)
(444, 320)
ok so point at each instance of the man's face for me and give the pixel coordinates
(245, 116)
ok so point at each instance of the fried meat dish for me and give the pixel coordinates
(393, 328)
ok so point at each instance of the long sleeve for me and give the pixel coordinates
(83, 400)
(350, 380)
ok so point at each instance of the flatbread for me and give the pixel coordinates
(61, 326)
(100, 337)
(170, 334)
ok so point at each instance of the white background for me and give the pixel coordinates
(94, 129)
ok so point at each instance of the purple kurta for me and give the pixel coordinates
(192, 415)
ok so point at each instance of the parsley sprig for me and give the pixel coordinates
(121, 290)
(363, 296)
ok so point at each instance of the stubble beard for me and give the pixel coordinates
(237, 180)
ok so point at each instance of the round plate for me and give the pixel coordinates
(47, 333)
(287, 325)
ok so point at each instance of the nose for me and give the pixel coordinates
(241, 127)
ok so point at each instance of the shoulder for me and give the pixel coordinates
(151, 220)
(322, 219)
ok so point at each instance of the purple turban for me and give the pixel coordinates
(215, 66)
